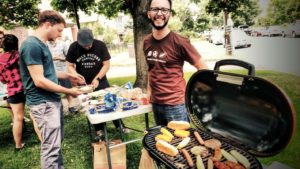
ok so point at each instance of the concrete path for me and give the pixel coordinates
(122, 65)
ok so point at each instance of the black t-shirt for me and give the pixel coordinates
(89, 62)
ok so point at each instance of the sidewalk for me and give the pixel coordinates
(122, 65)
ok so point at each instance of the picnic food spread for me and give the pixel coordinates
(113, 99)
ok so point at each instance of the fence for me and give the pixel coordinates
(117, 48)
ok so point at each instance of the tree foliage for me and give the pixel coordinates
(217, 6)
(87, 6)
(242, 11)
(281, 11)
(246, 13)
(191, 15)
(98, 29)
(110, 8)
(18, 12)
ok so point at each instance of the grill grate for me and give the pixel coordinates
(179, 160)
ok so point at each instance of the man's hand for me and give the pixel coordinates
(55, 57)
(76, 78)
(95, 83)
(74, 92)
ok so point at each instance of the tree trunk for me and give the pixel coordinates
(141, 28)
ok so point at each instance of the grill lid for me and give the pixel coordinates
(247, 110)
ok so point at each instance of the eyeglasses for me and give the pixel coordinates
(163, 10)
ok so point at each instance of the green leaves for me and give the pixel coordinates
(18, 12)
(110, 8)
(282, 11)
(243, 11)
(216, 6)
(87, 6)
(246, 13)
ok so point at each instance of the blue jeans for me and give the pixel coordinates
(165, 113)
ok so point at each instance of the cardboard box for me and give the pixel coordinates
(117, 154)
(146, 162)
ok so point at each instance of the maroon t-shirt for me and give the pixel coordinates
(165, 59)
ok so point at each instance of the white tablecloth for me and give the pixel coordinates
(105, 117)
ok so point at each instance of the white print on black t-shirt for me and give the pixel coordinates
(88, 60)
(88, 56)
(88, 64)
(152, 56)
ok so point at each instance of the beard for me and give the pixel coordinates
(161, 26)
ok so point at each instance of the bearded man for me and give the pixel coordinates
(165, 53)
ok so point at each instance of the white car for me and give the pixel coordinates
(275, 30)
(245, 28)
(217, 37)
(239, 39)
(258, 31)
(292, 30)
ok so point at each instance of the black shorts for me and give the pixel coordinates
(17, 98)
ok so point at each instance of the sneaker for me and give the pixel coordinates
(21, 148)
(99, 135)
(125, 130)
(26, 119)
(73, 110)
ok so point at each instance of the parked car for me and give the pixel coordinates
(239, 39)
(258, 31)
(264, 32)
(217, 36)
(245, 28)
(206, 34)
(274, 31)
(292, 30)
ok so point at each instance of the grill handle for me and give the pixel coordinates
(227, 62)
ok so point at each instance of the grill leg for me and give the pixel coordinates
(147, 120)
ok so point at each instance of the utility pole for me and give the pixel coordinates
(227, 28)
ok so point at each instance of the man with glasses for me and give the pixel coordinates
(165, 53)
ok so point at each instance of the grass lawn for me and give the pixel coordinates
(76, 145)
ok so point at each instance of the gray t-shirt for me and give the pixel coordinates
(59, 48)
(35, 52)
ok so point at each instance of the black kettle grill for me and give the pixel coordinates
(245, 112)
